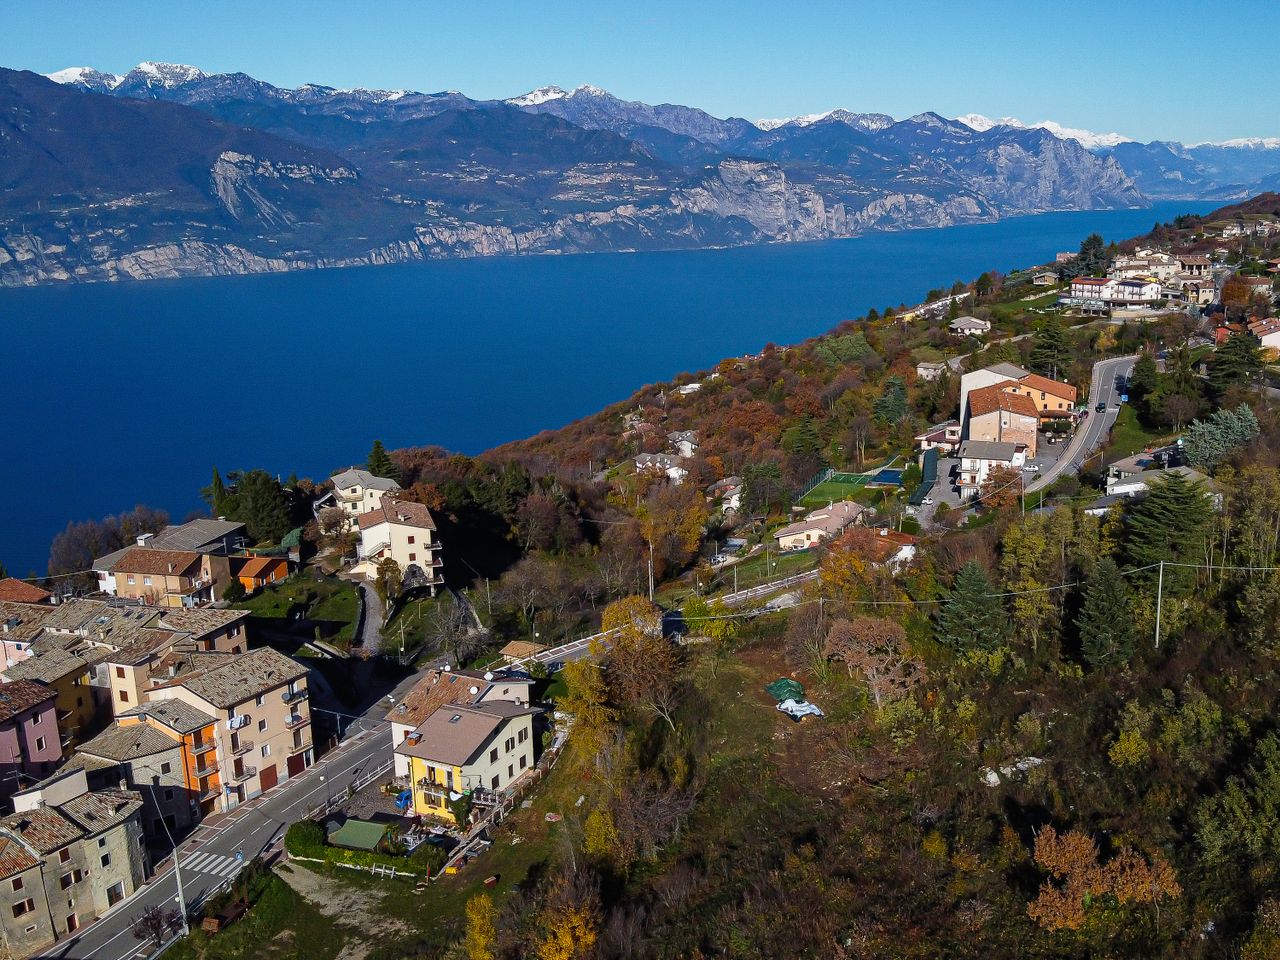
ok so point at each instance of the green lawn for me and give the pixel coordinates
(330, 600)
(1128, 436)
(753, 570)
(834, 490)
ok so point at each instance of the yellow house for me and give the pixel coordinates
(467, 749)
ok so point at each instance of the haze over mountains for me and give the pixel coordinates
(168, 171)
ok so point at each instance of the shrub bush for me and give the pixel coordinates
(306, 838)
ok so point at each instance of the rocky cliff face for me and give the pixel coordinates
(169, 172)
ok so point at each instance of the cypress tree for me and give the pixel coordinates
(1105, 623)
(218, 495)
(972, 619)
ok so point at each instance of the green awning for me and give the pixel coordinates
(785, 689)
(359, 835)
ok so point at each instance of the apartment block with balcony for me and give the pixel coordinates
(197, 733)
(405, 532)
(260, 703)
(170, 578)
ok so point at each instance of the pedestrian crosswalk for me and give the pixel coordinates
(212, 864)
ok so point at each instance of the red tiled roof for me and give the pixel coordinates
(1055, 387)
(990, 399)
(146, 560)
(16, 591)
(14, 858)
(22, 695)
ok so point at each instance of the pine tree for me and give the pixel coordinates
(891, 406)
(1168, 524)
(1145, 377)
(973, 619)
(1235, 362)
(1105, 622)
(380, 463)
(1051, 352)
(218, 495)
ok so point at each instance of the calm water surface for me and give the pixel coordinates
(117, 394)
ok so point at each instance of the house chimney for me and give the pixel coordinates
(144, 539)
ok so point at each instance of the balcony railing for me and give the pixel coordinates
(243, 774)
(297, 720)
(239, 750)
(202, 748)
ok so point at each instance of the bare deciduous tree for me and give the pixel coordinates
(875, 649)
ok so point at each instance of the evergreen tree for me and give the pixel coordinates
(891, 406)
(1105, 623)
(261, 504)
(1210, 441)
(216, 495)
(1235, 362)
(1168, 524)
(1145, 377)
(1051, 352)
(973, 619)
(380, 463)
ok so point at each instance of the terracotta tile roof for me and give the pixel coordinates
(22, 695)
(152, 562)
(257, 566)
(50, 666)
(44, 828)
(391, 510)
(23, 621)
(151, 644)
(14, 857)
(1054, 387)
(990, 399)
(129, 742)
(244, 676)
(101, 810)
(177, 715)
(519, 649)
(201, 621)
(19, 592)
(447, 686)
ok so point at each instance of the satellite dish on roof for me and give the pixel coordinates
(474, 691)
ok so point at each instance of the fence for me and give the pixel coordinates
(355, 786)
(821, 477)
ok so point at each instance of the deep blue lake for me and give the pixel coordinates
(118, 394)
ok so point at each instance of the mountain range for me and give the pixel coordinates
(168, 171)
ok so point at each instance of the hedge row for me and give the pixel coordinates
(306, 838)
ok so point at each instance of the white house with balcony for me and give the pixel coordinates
(405, 532)
(355, 492)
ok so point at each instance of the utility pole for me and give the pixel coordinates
(177, 872)
(1159, 602)
(650, 569)
(735, 578)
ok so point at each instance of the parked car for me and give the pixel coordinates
(927, 501)
(1101, 408)
(1032, 468)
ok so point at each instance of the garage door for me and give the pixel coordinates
(296, 764)
(269, 777)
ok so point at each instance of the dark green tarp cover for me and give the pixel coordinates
(784, 689)
(359, 835)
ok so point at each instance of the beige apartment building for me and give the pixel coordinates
(170, 578)
(406, 533)
(259, 701)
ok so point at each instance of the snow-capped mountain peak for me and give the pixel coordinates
(863, 121)
(976, 121)
(168, 74)
(1246, 143)
(86, 77)
(1086, 138)
(541, 95)
(590, 91)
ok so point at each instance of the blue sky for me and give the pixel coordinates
(1180, 71)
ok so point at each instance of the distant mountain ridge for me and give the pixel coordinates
(227, 173)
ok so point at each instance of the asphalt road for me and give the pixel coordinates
(1089, 436)
(210, 855)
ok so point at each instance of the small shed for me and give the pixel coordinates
(360, 835)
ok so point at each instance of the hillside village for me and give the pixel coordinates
(1000, 559)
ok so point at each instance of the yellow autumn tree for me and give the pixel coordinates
(570, 933)
(585, 699)
(481, 927)
(599, 835)
(643, 666)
